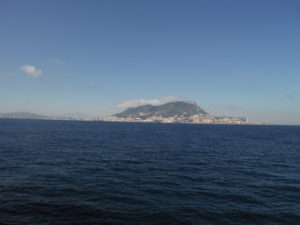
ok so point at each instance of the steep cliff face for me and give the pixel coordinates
(185, 109)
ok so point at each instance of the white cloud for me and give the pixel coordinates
(170, 98)
(91, 84)
(31, 71)
(139, 102)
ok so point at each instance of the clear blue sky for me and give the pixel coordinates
(239, 58)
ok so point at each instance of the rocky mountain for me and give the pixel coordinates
(170, 109)
(174, 112)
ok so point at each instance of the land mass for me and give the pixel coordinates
(174, 112)
(23, 115)
(34, 116)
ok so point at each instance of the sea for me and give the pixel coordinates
(73, 172)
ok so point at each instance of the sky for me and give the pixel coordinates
(234, 58)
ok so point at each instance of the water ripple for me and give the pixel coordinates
(55, 172)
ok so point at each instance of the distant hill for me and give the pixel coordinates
(23, 115)
(34, 116)
(170, 109)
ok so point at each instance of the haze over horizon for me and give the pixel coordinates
(233, 58)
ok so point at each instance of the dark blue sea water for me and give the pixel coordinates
(63, 172)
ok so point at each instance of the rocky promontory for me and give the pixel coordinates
(174, 112)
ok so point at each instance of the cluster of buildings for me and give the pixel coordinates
(197, 119)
